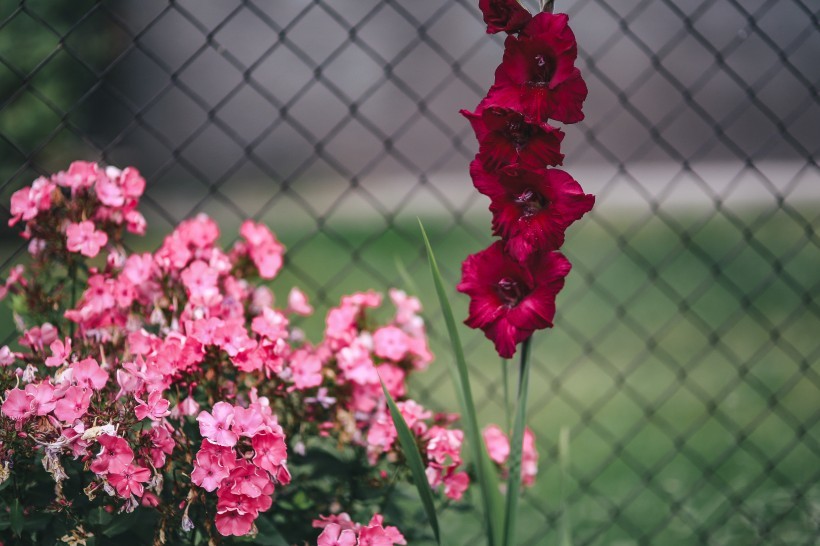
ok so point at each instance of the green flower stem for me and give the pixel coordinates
(516, 447)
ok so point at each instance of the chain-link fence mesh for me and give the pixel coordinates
(684, 362)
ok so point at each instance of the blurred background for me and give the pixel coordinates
(684, 361)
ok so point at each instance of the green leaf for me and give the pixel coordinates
(516, 447)
(487, 478)
(99, 516)
(121, 524)
(16, 517)
(413, 458)
(406, 278)
(268, 535)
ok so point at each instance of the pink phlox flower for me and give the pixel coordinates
(162, 444)
(132, 182)
(263, 248)
(84, 238)
(155, 408)
(174, 253)
(407, 307)
(380, 437)
(188, 406)
(356, 365)
(374, 535)
(529, 458)
(270, 324)
(343, 520)
(200, 231)
(246, 422)
(200, 282)
(17, 405)
(261, 297)
(42, 397)
(233, 523)
(334, 535)
(129, 481)
(363, 300)
(27, 202)
(80, 174)
(116, 455)
(270, 451)
(340, 326)
(422, 356)
(233, 338)
(209, 469)
(138, 268)
(216, 426)
(391, 531)
(60, 352)
(128, 382)
(251, 360)
(306, 369)
(455, 484)
(246, 479)
(393, 378)
(109, 192)
(444, 445)
(88, 373)
(498, 446)
(7, 356)
(38, 337)
(414, 415)
(391, 343)
(135, 222)
(298, 303)
(204, 330)
(73, 404)
(140, 342)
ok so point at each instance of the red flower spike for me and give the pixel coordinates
(506, 137)
(508, 300)
(506, 15)
(537, 76)
(531, 209)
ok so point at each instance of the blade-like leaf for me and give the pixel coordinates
(413, 458)
(16, 517)
(516, 447)
(406, 278)
(487, 479)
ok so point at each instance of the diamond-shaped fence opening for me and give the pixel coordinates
(684, 361)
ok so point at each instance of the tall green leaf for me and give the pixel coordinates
(16, 517)
(516, 445)
(487, 479)
(565, 536)
(413, 457)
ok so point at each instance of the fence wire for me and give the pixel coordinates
(684, 362)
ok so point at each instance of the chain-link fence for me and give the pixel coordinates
(684, 362)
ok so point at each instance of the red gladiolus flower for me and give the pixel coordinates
(506, 15)
(531, 209)
(537, 76)
(505, 137)
(508, 300)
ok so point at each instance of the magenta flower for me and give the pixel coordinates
(116, 455)
(508, 300)
(537, 76)
(73, 404)
(216, 427)
(88, 373)
(155, 408)
(17, 405)
(506, 137)
(60, 352)
(130, 480)
(531, 209)
(233, 522)
(85, 239)
(270, 451)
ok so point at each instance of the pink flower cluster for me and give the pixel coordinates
(514, 282)
(177, 383)
(341, 530)
(97, 202)
(242, 456)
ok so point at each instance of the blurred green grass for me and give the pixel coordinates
(684, 366)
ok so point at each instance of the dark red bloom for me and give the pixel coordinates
(505, 137)
(537, 76)
(506, 15)
(531, 209)
(508, 300)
